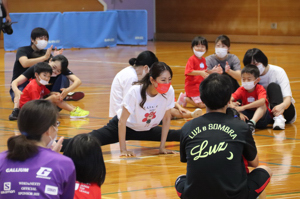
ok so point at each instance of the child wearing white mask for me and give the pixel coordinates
(195, 73)
(254, 108)
(276, 82)
(36, 89)
(223, 62)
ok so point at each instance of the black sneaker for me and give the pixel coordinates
(251, 127)
(14, 115)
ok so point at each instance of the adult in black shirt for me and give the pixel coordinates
(27, 56)
(215, 146)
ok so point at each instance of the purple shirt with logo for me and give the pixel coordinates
(46, 175)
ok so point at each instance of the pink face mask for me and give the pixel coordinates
(162, 88)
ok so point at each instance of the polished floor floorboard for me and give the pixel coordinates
(149, 175)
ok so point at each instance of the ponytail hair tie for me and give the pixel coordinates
(24, 133)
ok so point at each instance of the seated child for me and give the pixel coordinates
(254, 108)
(36, 89)
(195, 73)
(85, 151)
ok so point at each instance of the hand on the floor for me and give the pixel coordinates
(167, 151)
(56, 146)
(127, 153)
(277, 110)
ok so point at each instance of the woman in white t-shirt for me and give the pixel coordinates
(124, 79)
(276, 82)
(147, 102)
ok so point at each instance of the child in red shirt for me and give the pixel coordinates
(36, 89)
(85, 151)
(195, 73)
(254, 108)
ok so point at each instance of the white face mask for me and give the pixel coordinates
(248, 85)
(198, 53)
(221, 52)
(53, 75)
(261, 68)
(41, 44)
(52, 140)
(43, 82)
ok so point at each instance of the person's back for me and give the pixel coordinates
(214, 157)
(217, 147)
(41, 176)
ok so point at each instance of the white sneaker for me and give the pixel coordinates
(279, 123)
(197, 112)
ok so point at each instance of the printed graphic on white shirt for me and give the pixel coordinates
(148, 118)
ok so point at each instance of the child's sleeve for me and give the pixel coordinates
(237, 94)
(189, 67)
(261, 92)
(46, 91)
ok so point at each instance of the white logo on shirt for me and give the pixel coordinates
(51, 190)
(44, 172)
(201, 65)
(7, 186)
(250, 99)
(76, 186)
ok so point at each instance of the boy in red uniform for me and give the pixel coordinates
(36, 89)
(254, 108)
(195, 73)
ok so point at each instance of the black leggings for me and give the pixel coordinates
(109, 134)
(275, 97)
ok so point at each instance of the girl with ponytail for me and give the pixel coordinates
(147, 103)
(29, 157)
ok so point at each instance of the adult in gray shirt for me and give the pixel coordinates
(223, 62)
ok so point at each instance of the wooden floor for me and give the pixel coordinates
(149, 175)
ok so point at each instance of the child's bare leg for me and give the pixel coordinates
(176, 113)
(64, 105)
(259, 113)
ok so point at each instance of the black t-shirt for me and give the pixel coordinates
(29, 74)
(213, 146)
(28, 52)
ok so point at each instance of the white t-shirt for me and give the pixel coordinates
(119, 87)
(153, 112)
(277, 75)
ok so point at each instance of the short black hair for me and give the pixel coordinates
(64, 62)
(39, 32)
(257, 55)
(251, 69)
(224, 40)
(42, 67)
(215, 91)
(85, 151)
(199, 40)
(144, 58)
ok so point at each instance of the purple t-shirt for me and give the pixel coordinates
(46, 175)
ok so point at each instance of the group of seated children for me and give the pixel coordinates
(50, 72)
(251, 99)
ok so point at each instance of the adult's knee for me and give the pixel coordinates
(267, 169)
(273, 87)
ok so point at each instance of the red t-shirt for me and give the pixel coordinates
(33, 91)
(192, 82)
(87, 191)
(247, 98)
